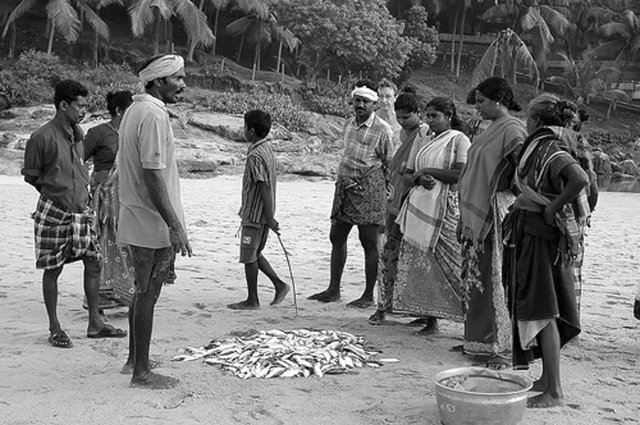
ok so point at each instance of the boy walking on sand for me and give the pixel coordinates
(258, 209)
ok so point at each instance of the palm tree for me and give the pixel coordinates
(218, 5)
(61, 15)
(504, 56)
(90, 10)
(260, 25)
(6, 8)
(158, 13)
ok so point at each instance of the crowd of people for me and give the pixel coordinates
(488, 231)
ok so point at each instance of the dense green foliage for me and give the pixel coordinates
(279, 106)
(32, 77)
(424, 38)
(352, 36)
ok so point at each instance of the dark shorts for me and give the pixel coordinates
(252, 242)
(153, 267)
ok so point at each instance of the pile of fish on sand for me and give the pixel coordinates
(287, 354)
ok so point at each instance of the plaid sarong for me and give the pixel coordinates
(62, 237)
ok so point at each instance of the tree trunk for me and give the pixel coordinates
(51, 35)
(464, 14)
(453, 41)
(240, 49)
(256, 59)
(96, 46)
(192, 49)
(215, 32)
(279, 56)
(12, 42)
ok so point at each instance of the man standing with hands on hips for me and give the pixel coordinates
(151, 218)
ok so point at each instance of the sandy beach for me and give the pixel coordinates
(40, 384)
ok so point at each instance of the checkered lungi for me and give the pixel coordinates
(62, 237)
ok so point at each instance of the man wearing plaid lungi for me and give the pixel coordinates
(53, 164)
(360, 198)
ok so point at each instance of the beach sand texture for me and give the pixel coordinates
(40, 384)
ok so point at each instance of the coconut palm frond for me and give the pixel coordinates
(557, 21)
(600, 14)
(288, 38)
(219, 4)
(258, 7)
(524, 57)
(99, 4)
(486, 66)
(635, 45)
(498, 12)
(65, 19)
(194, 21)
(239, 26)
(22, 8)
(533, 19)
(631, 19)
(142, 14)
(614, 30)
(604, 51)
(99, 26)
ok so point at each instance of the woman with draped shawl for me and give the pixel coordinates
(414, 134)
(485, 195)
(101, 145)
(429, 267)
(543, 235)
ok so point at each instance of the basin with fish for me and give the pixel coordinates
(480, 396)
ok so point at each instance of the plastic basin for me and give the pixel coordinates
(479, 396)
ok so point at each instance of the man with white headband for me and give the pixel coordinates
(360, 195)
(151, 219)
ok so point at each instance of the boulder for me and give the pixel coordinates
(601, 163)
(4, 102)
(629, 166)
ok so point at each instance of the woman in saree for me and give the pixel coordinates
(429, 267)
(485, 195)
(414, 133)
(101, 145)
(543, 233)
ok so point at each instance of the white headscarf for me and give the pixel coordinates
(365, 92)
(164, 66)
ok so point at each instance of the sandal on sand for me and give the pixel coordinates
(60, 339)
(108, 331)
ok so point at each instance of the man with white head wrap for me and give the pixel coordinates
(360, 195)
(151, 220)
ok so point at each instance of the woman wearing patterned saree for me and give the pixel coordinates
(413, 135)
(485, 195)
(101, 144)
(428, 278)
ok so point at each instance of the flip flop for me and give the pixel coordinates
(108, 331)
(60, 339)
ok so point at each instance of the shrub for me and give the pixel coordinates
(282, 110)
(328, 105)
(30, 79)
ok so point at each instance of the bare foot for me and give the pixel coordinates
(281, 292)
(127, 368)
(326, 296)
(377, 318)
(361, 302)
(544, 401)
(244, 305)
(154, 381)
(430, 328)
(540, 385)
